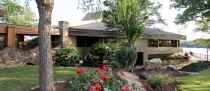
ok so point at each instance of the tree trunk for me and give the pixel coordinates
(45, 62)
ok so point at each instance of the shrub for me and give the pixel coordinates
(159, 80)
(2, 45)
(67, 57)
(100, 79)
(33, 43)
(101, 52)
(124, 57)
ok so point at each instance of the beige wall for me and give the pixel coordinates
(69, 41)
(142, 46)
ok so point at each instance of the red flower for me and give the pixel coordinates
(104, 67)
(125, 87)
(80, 71)
(104, 78)
(98, 87)
(95, 87)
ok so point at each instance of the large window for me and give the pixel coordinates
(87, 41)
(153, 43)
(163, 43)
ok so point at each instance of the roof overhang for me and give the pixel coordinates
(99, 29)
(164, 36)
(92, 33)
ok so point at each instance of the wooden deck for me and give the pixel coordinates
(11, 31)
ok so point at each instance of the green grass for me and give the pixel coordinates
(22, 78)
(198, 82)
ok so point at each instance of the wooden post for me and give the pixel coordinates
(11, 37)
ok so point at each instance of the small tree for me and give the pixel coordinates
(130, 16)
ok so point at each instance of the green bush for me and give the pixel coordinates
(67, 57)
(2, 45)
(159, 80)
(101, 52)
(124, 57)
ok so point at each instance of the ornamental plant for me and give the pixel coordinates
(67, 57)
(99, 79)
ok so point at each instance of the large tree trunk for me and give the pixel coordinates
(45, 63)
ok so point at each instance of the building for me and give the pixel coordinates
(154, 43)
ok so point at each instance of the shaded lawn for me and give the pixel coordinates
(23, 77)
(198, 82)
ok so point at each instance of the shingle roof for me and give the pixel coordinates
(149, 33)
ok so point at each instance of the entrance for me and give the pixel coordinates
(140, 58)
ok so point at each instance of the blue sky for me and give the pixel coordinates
(68, 10)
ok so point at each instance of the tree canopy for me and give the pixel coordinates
(129, 15)
(193, 10)
(17, 14)
(202, 42)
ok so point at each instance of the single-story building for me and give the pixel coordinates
(154, 42)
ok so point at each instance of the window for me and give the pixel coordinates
(153, 43)
(163, 43)
(87, 41)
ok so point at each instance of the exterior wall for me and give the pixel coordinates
(142, 46)
(69, 41)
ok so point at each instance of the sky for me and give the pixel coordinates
(67, 10)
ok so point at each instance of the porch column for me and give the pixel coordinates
(65, 40)
(11, 37)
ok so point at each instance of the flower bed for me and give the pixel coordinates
(98, 79)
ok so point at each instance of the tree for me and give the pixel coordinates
(130, 16)
(194, 10)
(203, 43)
(45, 8)
(17, 14)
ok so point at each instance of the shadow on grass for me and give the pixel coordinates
(22, 78)
(197, 67)
(198, 82)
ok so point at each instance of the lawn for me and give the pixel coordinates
(22, 78)
(198, 82)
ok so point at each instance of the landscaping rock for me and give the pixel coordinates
(171, 67)
(133, 80)
(155, 61)
(17, 56)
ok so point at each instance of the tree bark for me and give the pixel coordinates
(45, 58)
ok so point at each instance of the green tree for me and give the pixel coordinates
(202, 42)
(16, 13)
(193, 10)
(130, 16)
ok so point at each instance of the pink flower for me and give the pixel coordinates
(91, 88)
(125, 87)
(95, 87)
